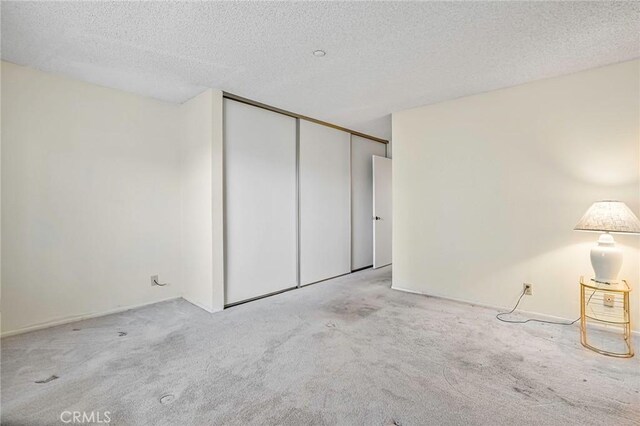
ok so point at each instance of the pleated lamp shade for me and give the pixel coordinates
(609, 216)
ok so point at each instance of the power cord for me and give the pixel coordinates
(157, 283)
(499, 316)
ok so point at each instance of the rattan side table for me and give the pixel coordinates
(605, 304)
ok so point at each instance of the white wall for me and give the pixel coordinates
(100, 190)
(217, 193)
(202, 220)
(488, 188)
(90, 199)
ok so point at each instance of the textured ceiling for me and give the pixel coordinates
(381, 57)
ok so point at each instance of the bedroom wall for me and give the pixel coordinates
(488, 188)
(100, 190)
(202, 195)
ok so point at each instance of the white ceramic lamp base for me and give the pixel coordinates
(606, 259)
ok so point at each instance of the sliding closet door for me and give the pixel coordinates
(260, 207)
(325, 216)
(362, 152)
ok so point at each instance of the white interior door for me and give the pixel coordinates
(260, 207)
(362, 151)
(382, 211)
(325, 202)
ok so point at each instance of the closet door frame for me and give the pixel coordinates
(297, 117)
(362, 200)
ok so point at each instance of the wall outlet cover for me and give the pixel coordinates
(154, 280)
(527, 289)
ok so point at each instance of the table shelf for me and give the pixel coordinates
(606, 305)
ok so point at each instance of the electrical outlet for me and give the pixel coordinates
(527, 289)
(154, 280)
(609, 300)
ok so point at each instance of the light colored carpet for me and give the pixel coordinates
(348, 351)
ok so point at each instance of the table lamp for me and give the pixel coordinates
(606, 217)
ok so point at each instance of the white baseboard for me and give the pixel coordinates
(536, 315)
(201, 306)
(75, 318)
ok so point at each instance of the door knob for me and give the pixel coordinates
(377, 218)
